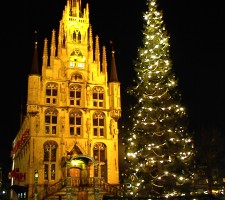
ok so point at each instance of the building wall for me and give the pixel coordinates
(72, 62)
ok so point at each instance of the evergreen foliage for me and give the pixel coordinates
(159, 149)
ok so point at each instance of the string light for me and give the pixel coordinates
(159, 145)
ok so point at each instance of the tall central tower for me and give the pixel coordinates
(71, 125)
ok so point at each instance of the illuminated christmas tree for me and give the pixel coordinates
(159, 149)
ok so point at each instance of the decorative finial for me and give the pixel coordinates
(111, 43)
(35, 41)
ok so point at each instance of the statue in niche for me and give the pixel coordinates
(62, 124)
(112, 126)
(37, 123)
(88, 95)
(88, 125)
(63, 93)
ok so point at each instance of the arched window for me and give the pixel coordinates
(99, 124)
(99, 154)
(77, 59)
(75, 120)
(76, 77)
(74, 36)
(75, 95)
(79, 37)
(51, 121)
(50, 148)
(98, 97)
(51, 93)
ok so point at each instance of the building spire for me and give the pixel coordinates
(113, 73)
(53, 49)
(75, 8)
(34, 67)
(104, 60)
(97, 52)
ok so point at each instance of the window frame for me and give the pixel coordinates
(50, 159)
(51, 118)
(51, 93)
(76, 98)
(98, 95)
(99, 124)
(100, 155)
(75, 128)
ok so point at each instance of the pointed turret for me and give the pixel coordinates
(113, 73)
(104, 60)
(45, 58)
(86, 13)
(35, 67)
(60, 39)
(97, 55)
(90, 43)
(75, 8)
(97, 52)
(53, 49)
(33, 82)
(45, 53)
(104, 64)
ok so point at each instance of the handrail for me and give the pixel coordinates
(51, 189)
(81, 183)
(111, 188)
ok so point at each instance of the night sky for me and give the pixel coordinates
(197, 38)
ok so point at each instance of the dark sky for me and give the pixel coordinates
(196, 29)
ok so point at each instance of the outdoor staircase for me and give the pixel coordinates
(72, 188)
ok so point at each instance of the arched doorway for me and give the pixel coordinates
(78, 169)
(75, 176)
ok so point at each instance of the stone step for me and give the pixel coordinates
(76, 193)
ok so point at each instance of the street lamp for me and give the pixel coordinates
(35, 184)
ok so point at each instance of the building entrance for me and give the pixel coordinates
(75, 176)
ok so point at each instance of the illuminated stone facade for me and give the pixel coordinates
(73, 107)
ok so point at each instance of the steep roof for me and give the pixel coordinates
(35, 67)
(113, 73)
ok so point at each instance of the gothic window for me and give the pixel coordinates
(52, 171)
(77, 59)
(79, 37)
(99, 154)
(72, 64)
(98, 97)
(74, 36)
(46, 171)
(75, 120)
(50, 148)
(51, 93)
(99, 124)
(75, 95)
(76, 77)
(51, 121)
